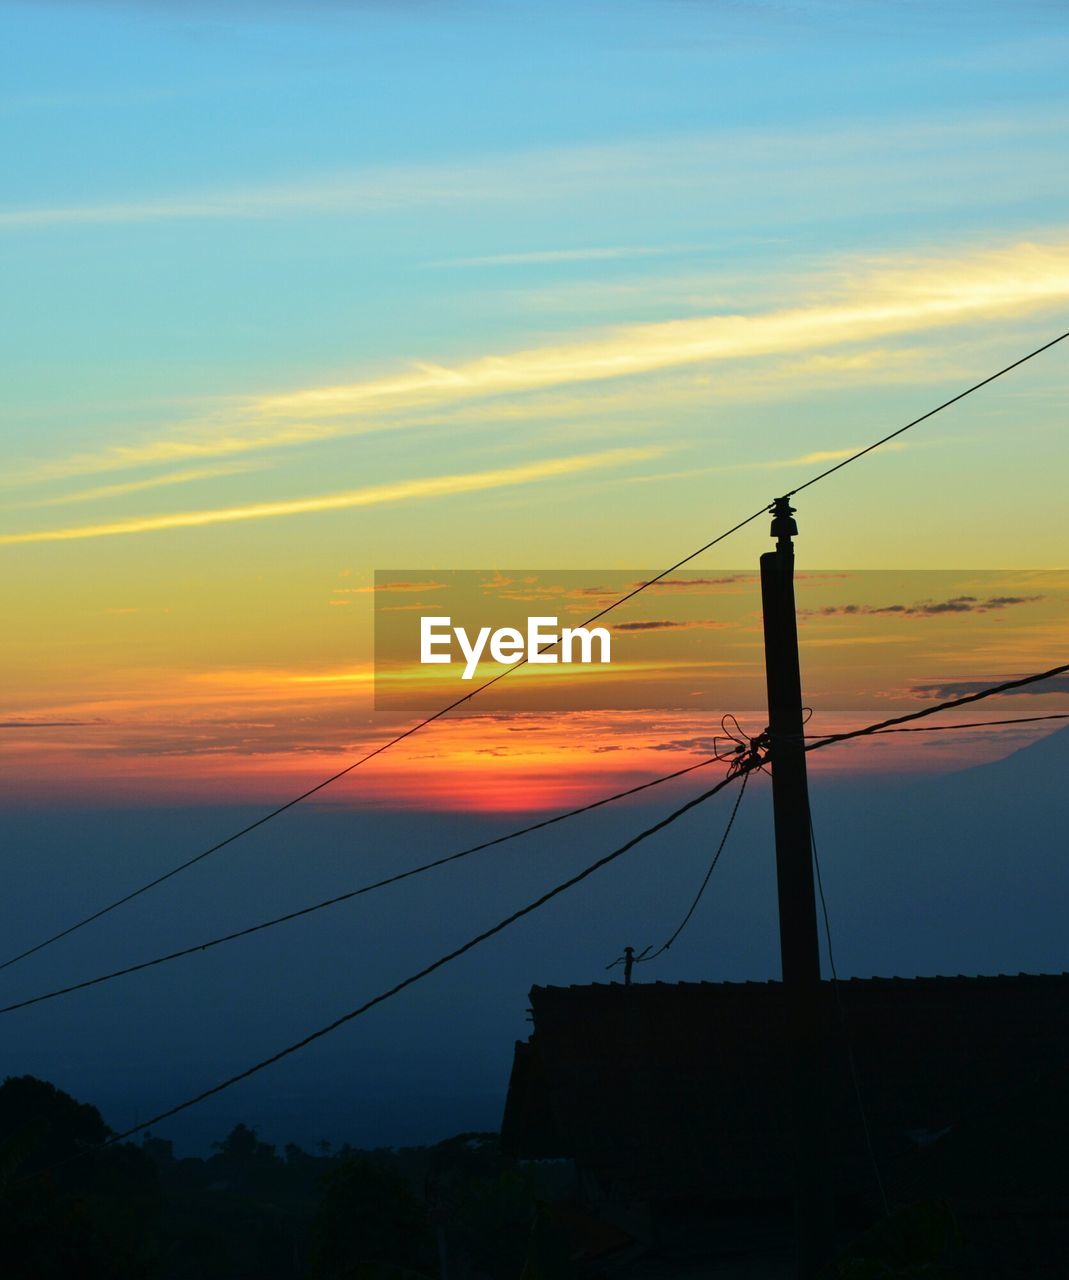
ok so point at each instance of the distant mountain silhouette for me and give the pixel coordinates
(1044, 763)
(961, 872)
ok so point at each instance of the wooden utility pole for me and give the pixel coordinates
(799, 941)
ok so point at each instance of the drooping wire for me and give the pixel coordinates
(756, 745)
(948, 728)
(852, 1062)
(665, 946)
(534, 906)
(398, 987)
(978, 696)
(729, 723)
(355, 893)
(437, 715)
(931, 412)
(364, 759)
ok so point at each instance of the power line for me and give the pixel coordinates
(931, 412)
(422, 973)
(923, 728)
(355, 893)
(886, 726)
(978, 696)
(392, 742)
(665, 946)
(543, 899)
(947, 728)
(437, 715)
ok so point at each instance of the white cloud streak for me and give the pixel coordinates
(372, 495)
(885, 300)
(100, 493)
(876, 158)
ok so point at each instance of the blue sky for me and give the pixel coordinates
(271, 192)
(295, 292)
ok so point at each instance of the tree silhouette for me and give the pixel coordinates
(368, 1219)
(68, 1207)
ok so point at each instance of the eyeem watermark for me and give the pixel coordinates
(690, 644)
(539, 643)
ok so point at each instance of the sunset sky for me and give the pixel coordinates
(295, 294)
(506, 307)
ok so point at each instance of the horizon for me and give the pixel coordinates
(297, 295)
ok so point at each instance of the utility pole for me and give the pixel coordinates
(799, 941)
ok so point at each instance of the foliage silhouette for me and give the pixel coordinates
(95, 1216)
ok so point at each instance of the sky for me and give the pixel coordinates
(298, 295)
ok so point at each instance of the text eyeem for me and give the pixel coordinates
(507, 645)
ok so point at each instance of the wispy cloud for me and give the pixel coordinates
(373, 495)
(888, 299)
(814, 458)
(545, 257)
(348, 193)
(961, 688)
(103, 492)
(922, 609)
(881, 158)
(48, 724)
(533, 175)
(669, 624)
(690, 584)
(376, 588)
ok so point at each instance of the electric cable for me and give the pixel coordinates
(947, 728)
(437, 715)
(977, 696)
(884, 726)
(642, 958)
(546, 897)
(355, 893)
(931, 412)
(412, 979)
